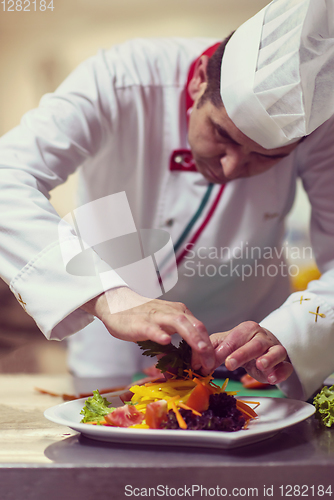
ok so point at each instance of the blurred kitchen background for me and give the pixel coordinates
(37, 51)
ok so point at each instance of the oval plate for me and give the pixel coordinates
(274, 414)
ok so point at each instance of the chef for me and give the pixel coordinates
(206, 143)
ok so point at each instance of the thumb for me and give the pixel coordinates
(235, 338)
(216, 339)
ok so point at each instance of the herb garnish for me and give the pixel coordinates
(175, 358)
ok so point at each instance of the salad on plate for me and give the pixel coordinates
(179, 398)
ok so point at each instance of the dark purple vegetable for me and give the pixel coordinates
(222, 415)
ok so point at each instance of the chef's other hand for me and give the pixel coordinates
(254, 348)
(143, 319)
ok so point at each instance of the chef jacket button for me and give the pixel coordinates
(178, 159)
(169, 222)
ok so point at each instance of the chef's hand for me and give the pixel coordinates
(141, 319)
(254, 348)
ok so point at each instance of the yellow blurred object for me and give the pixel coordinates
(304, 276)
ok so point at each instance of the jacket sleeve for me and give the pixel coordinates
(304, 324)
(51, 142)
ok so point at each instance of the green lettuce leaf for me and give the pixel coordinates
(95, 408)
(324, 404)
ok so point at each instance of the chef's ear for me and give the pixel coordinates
(198, 82)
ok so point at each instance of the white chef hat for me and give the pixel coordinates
(277, 77)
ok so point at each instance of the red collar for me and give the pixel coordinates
(181, 159)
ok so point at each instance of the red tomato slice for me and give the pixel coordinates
(125, 416)
(199, 398)
(156, 413)
(251, 383)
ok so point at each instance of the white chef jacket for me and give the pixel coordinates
(120, 116)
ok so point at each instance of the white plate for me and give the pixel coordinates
(274, 414)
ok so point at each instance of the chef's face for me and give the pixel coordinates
(221, 151)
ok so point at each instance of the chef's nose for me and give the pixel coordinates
(233, 160)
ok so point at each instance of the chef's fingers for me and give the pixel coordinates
(254, 348)
(236, 343)
(281, 373)
(275, 355)
(194, 333)
(141, 330)
(196, 361)
(216, 339)
(158, 321)
(202, 356)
